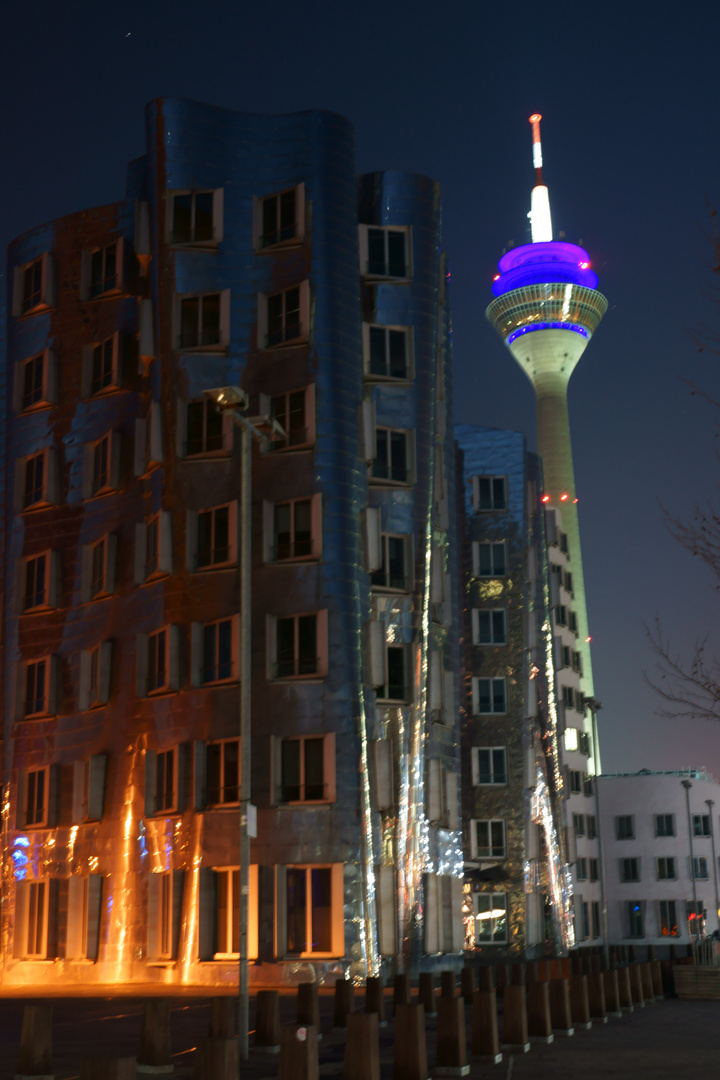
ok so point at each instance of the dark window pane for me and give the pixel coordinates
(290, 770)
(224, 650)
(376, 251)
(213, 428)
(222, 941)
(321, 909)
(314, 769)
(398, 356)
(269, 226)
(398, 451)
(307, 644)
(396, 562)
(203, 217)
(213, 763)
(231, 787)
(209, 656)
(292, 314)
(485, 493)
(182, 211)
(205, 538)
(221, 544)
(381, 464)
(396, 673)
(189, 322)
(396, 254)
(275, 319)
(210, 334)
(282, 529)
(285, 647)
(378, 355)
(499, 493)
(296, 910)
(288, 226)
(303, 528)
(296, 430)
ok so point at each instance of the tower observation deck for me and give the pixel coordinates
(546, 309)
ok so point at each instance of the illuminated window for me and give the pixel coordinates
(490, 626)
(295, 412)
(490, 493)
(625, 827)
(488, 839)
(279, 219)
(394, 566)
(385, 252)
(397, 687)
(206, 430)
(203, 321)
(489, 559)
(696, 916)
(227, 912)
(666, 868)
(664, 824)
(634, 911)
(630, 869)
(33, 288)
(489, 696)
(667, 918)
(222, 772)
(700, 868)
(490, 917)
(701, 824)
(489, 765)
(388, 351)
(196, 217)
(37, 920)
(306, 769)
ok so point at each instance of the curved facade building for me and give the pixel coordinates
(247, 252)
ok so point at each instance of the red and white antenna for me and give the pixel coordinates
(540, 221)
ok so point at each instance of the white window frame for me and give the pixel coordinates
(223, 341)
(193, 528)
(385, 434)
(153, 547)
(383, 560)
(699, 868)
(32, 911)
(285, 340)
(48, 390)
(34, 798)
(86, 286)
(147, 644)
(373, 273)
(110, 444)
(337, 924)
(47, 490)
(45, 599)
(699, 821)
(328, 783)
(217, 217)
(111, 344)
(106, 547)
(321, 646)
(497, 505)
(385, 690)
(298, 235)
(89, 789)
(170, 764)
(278, 407)
(477, 618)
(387, 376)
(165, 893)
(477, 546)
(475, 762)
(84, 916)
(500, 849)
(50, 676)
(492, 680)
(46, 292)
(95, 674)
(270, 545)
(199, 673)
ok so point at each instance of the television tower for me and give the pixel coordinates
(546, 309)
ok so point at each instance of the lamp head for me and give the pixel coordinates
(227, 397)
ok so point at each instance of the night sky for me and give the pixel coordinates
(628, 93)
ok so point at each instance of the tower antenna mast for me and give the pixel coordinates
(540, 221)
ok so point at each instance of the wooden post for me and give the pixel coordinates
(402, 992)
(467, 984)
(111, 1068)
(515, 1028)
(636, 986)
(486, 978)
(517, 974)
(362, 1047)
(657, 980)
(579, 1002)
(560, 1010)
(308, 1008)
(217, 1059)
(155, 1054)
(375, 998)
(626, 1001)
(502, 978)
(647, 983)
(35, 1057)
(299, 1051)
(344, 1002)
(410, 1051)
(448, 984)
(223, 1018)
(612, 992)
(596, 997)
(267, 1020)
(426, 992)
(538, 1010)
(485, 1039)
(451, 1047)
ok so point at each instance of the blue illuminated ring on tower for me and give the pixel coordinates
(538, 306)
(547, 326)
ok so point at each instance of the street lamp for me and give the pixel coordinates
(710, 803)
(687, 785)
(232, 399)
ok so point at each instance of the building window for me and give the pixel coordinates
(699, 869)
(39, 583)
(579, 824)
(284, 317)
(102, 366)
(105, 266)
(585, 920)
(696, 916)
(223, 772)
(490, 696)
(196, 217)
(596, 928)
(629, 869)
(490, 917)
(489, 837)
(564, 543)
(227, 912)
(587, 784)
(153, 547)
(35, 486)
(581, 870)
(560, 612)
(666, 868)
(219, 651)
(575, 780)
(37, 696)
(102, 466)
(489, 765)
(279, 218)
(158, 668)
(292, 530)
(37, 919)
(664, 824)
(591, 826)
(490, 493)
(625, 827)
(594, 870)
(36, 797)
(33, 287)
(157, 661)
(165, 781)
(572, 622)
(205, 430)
(393, 457)
(98, 570)
(668, 918)
(393, 571)
(214, 535)
(295, 413)
(387, 351)
(384, 252)
(296, 646)
(95, 675)
(490, 626)
(577, 666)
(701, 824)
(490, 559)
(634, 915)
(306, 769)
(309, 909)
(568, 582)
(202, 325)
(35, 382)
(397, 687)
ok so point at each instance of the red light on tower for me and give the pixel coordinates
(575, 500)
(545, 498)
(588, 639)
(564, 497)
(496, 278)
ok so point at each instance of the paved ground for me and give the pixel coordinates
(669, 1040)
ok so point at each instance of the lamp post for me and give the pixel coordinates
(232, 399)
(710, 803)
(687, 785)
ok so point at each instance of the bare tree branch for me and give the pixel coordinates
(688, 691)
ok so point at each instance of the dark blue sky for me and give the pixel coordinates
(628, 93)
